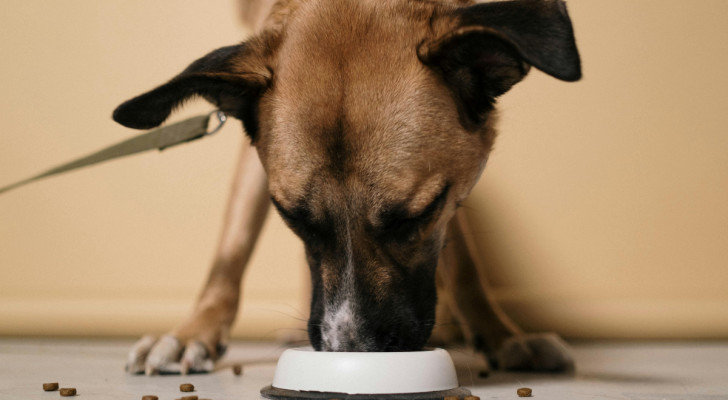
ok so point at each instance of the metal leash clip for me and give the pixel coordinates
(221, 118)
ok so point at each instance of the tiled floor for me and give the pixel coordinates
(629, 371)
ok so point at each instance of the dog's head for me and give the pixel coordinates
(373, 121)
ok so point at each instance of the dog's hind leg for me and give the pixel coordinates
(483, 322)
(194, 345)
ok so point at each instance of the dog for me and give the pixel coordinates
(370, 122)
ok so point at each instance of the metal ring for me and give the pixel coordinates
(221, 117)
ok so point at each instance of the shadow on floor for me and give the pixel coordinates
(472, 370)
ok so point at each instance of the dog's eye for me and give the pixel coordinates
(290, 216)
(399, 225)
(402, 229)
(299, 220)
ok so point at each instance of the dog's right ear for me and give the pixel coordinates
(232, 78)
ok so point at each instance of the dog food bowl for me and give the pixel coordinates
(303, 373)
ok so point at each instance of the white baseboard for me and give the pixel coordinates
(285, 319)
(259, 319)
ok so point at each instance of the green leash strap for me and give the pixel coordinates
(160, 138)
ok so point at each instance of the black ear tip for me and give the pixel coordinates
(131, 115)
(575, 70)
(565, 65)
(571, 74)
(575, 76)
(121, 115)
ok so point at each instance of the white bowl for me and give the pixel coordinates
(304, 369)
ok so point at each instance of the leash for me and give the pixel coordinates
(161, 138)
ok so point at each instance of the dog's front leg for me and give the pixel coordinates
(483, 322)
(195, 344)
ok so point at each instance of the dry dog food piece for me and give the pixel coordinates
(237, 369)
(471, 398)
(188, 398)
(49, 387)
(186, 387)
(150, 397)
(451, 398)
(67, 392)
(524, 392)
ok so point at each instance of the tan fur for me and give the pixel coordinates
(349, 89)
(335, 99)
(296, 154)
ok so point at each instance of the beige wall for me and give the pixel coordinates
(603, 208)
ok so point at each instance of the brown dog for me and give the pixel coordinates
(372, 121)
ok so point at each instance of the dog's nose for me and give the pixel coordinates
(347, 345)
(355, 337)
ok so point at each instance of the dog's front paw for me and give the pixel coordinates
(170, 355)
(192, 347)
(544, 352)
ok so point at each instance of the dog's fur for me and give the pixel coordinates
(372, 120)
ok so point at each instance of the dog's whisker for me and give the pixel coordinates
(282, 313)
(445, 324)
(301, 314)
(468, 365)
(298, 343)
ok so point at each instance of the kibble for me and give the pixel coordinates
(524, 392)
(186, 387)
(188, 398)
(49, 387)
(237, 369)
(68, 392)
(471, 398)
(150, 397)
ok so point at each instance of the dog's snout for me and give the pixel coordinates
(340, 329)
(348, 330)
(354, 316)
(373, 290)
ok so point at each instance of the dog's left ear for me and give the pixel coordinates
(232, 78)
(489, 47)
